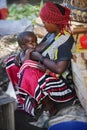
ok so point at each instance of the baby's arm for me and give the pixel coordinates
(17, 60)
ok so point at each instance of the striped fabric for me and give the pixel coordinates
(26, 102)
(38, 85)
(12, 70)
(55, 88)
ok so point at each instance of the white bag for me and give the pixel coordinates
(3, 4)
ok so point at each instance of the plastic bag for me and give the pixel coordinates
(3, 4)
(8, 27)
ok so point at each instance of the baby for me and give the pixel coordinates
(26, 40)
(33, 70)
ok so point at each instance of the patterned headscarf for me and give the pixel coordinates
(0, 16)
(50, 13)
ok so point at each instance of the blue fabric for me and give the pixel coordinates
(69, 125)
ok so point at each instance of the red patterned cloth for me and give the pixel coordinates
(29, 75)
(12, 70)
(39, 84)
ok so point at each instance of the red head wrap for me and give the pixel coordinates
(50, 13)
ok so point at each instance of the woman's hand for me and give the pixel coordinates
(28, 53)
(36, 55)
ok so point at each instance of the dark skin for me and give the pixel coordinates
(29, 43)
(56, 67)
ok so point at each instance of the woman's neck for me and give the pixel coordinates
(57, 32)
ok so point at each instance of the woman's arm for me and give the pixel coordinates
(27, 57)
(56, 67)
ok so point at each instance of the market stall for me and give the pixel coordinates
(79, 61)
(8, 42)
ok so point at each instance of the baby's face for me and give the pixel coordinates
(30, 42)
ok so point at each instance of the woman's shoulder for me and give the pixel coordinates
(50, 35)
(66, 38)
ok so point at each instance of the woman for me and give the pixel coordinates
(55, 56)
(54, 52)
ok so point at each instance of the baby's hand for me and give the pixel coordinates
(18, 60)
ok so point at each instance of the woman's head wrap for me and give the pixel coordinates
(50, 13)
(0, 16)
